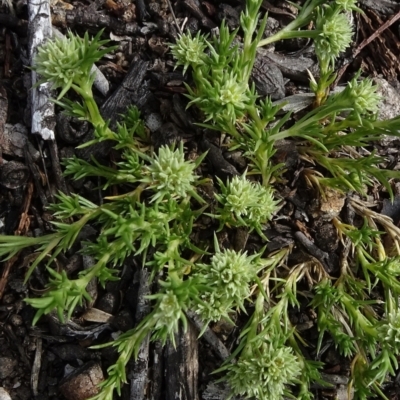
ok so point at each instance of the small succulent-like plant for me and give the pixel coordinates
(334, 33)
(337, 122)
(227, 282)
(170, 175)
(189, 51)
(264, 372)
(245, 203)
(66, 63)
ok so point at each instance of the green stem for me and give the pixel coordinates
(94, 271)
(290, 31)
(84, 89)
(361, 324)
(315, 116)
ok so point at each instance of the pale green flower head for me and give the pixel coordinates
(245, 203)
(238, 196)
(266, 375)
(168, 310)
(224, 100)
(232, 271)
(214, 306)
(67, 61)
(393, 266)
(169, 313)
(231, 98)
(390, 331)
(189, 51)
(227, 277)
(364, 95)
(170, 175)
(234, 93)
(335, 33)
(348, 5)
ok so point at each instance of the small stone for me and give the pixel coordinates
(108, 303)
(8, 298)
(4, 394)
(83, 383)
(390, 104)
(16, 320)
(7, 366)
(154, 121)
(329, 206)
(327, 238)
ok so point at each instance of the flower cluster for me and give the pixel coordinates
(390, 331)
(169, 174)
(364, 95)
(168, 314)
(359, 95)
(222, 93)
(227, 278)
(224, 100)
(334, 33)
(264, 373)
(189, 51)
(232, 94)
(245, 203)
(67, 61)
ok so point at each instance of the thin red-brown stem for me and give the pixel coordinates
(366, 42)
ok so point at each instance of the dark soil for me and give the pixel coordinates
(36, 362)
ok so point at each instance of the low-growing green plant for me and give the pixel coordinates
(222, 91)
(156, 210)
(159, 204)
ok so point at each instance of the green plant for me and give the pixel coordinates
(159, 205)
(222, 91)
(244, 204)
(266, 366)
(156, 210)
(337, 125)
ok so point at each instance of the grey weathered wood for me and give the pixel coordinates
(219, 165)
(139, 374)
(292, 67)
(96, 20)
(36, 367)
(182, 366)
(42, 109)
(132, 91)
(209, 336)
(157, 368)
(218, 391)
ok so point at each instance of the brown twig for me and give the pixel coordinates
(173, 16)
(23, 226)
(365, 43)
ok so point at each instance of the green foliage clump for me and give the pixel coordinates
(245, 204)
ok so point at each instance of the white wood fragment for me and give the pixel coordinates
(43, 117)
